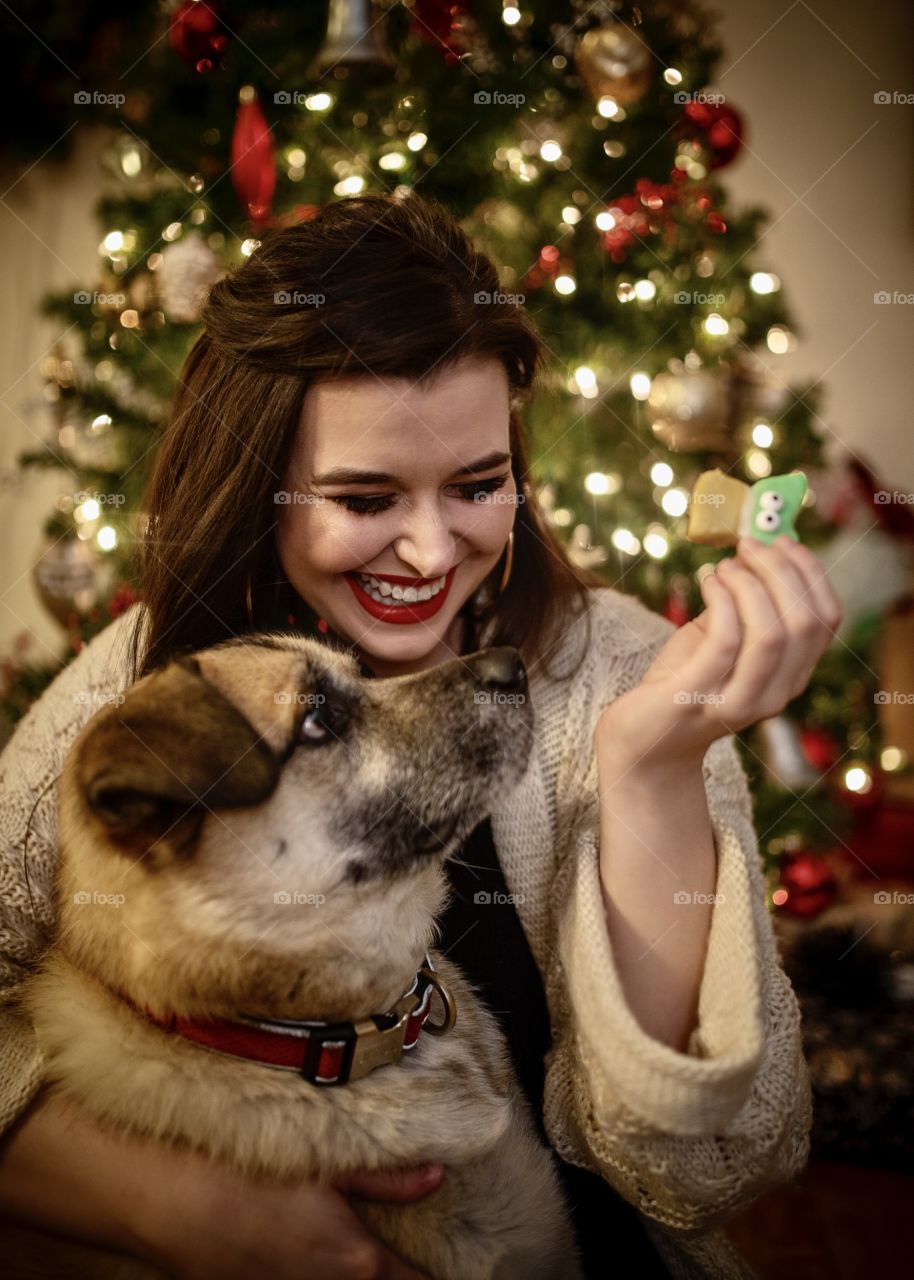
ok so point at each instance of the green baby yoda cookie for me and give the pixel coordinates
(772, 506)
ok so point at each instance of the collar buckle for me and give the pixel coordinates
(377, 1046)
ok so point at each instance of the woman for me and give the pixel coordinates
(345, 458)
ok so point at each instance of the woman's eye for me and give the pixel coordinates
(369, 505)
(365, 506)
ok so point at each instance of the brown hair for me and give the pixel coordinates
(398, 279)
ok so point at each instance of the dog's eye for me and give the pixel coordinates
(322, 724)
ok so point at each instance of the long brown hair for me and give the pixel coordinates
(371, 285)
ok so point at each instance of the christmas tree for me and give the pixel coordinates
(585, 148)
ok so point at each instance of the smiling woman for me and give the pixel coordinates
(357, 469)
(390, 557)
(345, 452)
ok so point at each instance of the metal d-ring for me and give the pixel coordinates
(447, 999)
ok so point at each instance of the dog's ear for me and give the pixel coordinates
(174, 747)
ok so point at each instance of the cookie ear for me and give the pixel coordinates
(173, 748)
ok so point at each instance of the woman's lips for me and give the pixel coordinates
(417, 611)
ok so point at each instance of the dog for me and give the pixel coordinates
(252, 844)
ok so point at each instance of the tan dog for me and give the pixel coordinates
(257, 833)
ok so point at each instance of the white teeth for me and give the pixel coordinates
(386, 592)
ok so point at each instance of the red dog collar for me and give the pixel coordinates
(323, 1052)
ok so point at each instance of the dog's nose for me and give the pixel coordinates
(500, 669)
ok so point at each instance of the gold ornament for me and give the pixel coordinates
(691, 410)
(614, 62)
(66, 577)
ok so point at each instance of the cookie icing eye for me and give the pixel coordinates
(770, 500)
(767, 521)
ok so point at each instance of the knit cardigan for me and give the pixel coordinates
(690, 1138)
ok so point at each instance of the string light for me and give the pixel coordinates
(625, 540)
(758, 464)
(604, 221)
(350, 186)
(764, 282)
(550, 150)
(762, 435)
(640, 384)
(716, 325)
(780, 340)
(131, 162)
(656, 543)
(510, 16)
(675, 502)
(565, 284)
(893, 758)
(645, 290)
(600, 483)
(416, 141)
(662, 475)
(857, 778)
(672, 76)
(610, 109)
(87, 511)
(106, 538)
(318, 101)
(586, 381)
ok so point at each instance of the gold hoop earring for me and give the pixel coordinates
(509, 561)
(250, 604)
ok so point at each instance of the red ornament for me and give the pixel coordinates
(659, 209)
(196, 35)
(810, 884)
(718, 127)
(676, 607)
(122, 598)
(819, 748)
(253, 161)
(439, 23)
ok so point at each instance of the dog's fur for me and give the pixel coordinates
(363, 820)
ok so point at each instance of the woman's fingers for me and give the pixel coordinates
(826, 603)
(714, 658)
(806, 633)
(756, 688)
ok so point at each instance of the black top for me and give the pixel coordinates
(483, 934)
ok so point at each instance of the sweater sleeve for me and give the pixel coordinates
(689, 1138)
(30, 766)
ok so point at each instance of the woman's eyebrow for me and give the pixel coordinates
(353, 475)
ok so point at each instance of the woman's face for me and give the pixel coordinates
(381, 481)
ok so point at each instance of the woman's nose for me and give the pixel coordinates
(428, 550)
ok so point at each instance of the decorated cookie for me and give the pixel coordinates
(723, 509)
(773, 507)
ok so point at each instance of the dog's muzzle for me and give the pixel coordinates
(324, 1052)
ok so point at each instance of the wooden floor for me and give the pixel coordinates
(836, 1222)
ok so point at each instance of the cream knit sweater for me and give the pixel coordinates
(688, 1138)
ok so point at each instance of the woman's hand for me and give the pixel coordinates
(770, 614)
(220, 1224)
(61, 1174)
